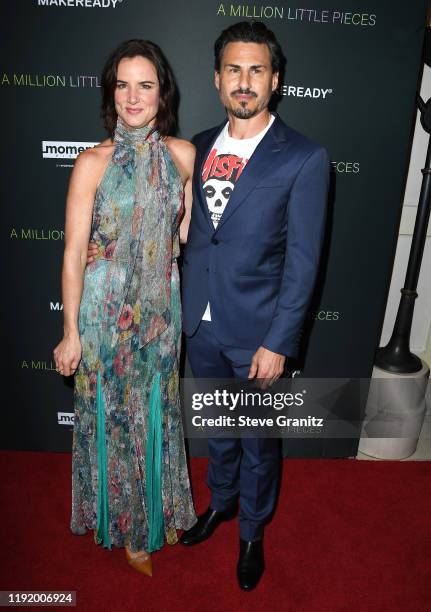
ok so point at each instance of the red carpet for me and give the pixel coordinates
(347, 535)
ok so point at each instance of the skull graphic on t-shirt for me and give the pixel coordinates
(217, 193)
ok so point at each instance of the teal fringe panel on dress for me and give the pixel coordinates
(102, 533)
(154, 469)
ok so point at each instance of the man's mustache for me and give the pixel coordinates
(246, 92)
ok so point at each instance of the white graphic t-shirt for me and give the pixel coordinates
(222, 169)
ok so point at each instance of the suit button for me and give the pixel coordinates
(214, 240)
(207, 269)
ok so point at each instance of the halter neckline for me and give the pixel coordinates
(133, 136)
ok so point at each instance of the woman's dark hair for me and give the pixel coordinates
(253, 32)
(166, 118)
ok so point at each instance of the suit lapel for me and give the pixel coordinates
(263, 158)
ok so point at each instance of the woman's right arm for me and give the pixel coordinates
(79, 210)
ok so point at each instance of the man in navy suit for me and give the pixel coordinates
(250, 263)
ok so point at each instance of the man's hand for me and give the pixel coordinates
(266, 366)
(91, 252)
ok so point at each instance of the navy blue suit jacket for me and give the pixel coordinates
(258, 268)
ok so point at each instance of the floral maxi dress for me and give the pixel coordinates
(129, 475)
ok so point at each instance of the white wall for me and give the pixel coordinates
(421, 327)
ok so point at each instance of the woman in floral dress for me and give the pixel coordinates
(131, 196)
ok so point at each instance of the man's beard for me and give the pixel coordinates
(243, 112)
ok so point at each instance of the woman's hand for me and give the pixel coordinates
(67, 355)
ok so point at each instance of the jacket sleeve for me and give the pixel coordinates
(306, 216)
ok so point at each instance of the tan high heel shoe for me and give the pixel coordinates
(140, 561)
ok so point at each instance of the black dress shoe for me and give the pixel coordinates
(250, 564)
(206, 525)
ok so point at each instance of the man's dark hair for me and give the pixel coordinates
(166, 119)
(249, 32)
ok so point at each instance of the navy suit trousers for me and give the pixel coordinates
(244, 467)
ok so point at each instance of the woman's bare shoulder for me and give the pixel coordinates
(91, 163)
(180, 146)
(183, 153)
(96, 157)
(100, 152)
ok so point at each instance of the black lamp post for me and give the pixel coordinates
(396, 356)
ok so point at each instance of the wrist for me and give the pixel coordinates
(71, 333)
